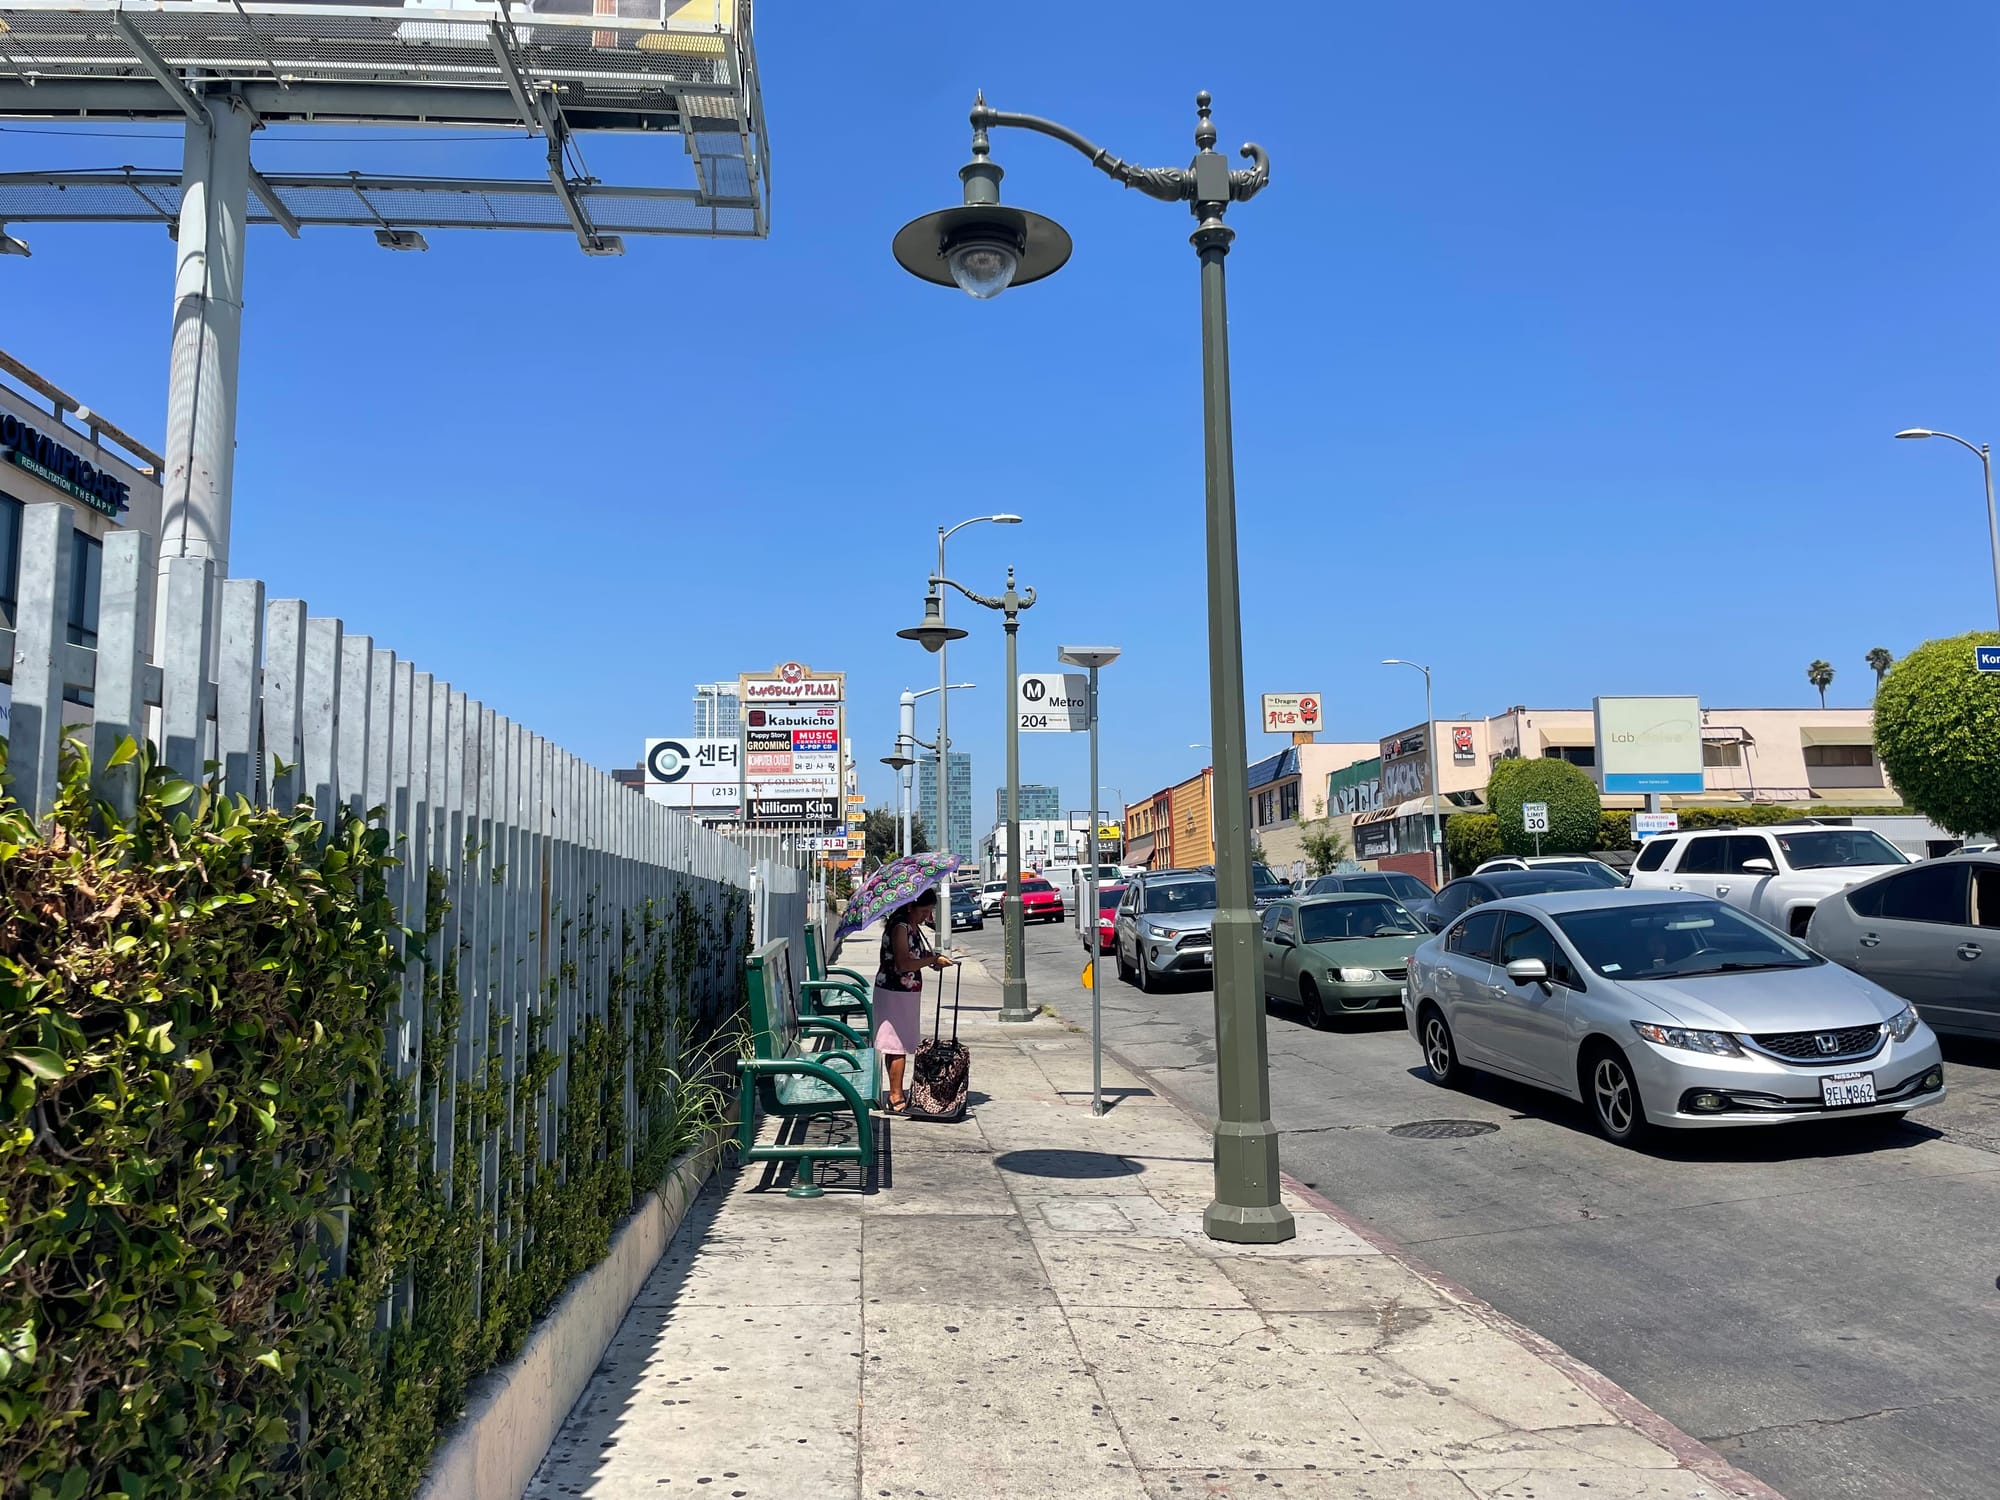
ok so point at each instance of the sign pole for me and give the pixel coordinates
(1090, 916)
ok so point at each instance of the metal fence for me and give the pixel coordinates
(515, 840)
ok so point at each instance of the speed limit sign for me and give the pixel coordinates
(1534, 817)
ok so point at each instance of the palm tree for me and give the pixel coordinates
(1820, 675)
(1881, 661)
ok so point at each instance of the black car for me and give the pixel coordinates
(965, 910)
(1468, 891)
(1391, 883)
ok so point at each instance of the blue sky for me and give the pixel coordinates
(1568, 341)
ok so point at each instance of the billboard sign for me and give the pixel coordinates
(1291, 713)
(1461, 745)
(817, 811)
(810, 716)
(791, 683)
(700, 774)
(1650, 744)
(1053, 702)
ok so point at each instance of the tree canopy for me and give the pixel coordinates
(1571, 797)
(1937, 731)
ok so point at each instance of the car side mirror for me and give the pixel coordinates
(1392, 932)
(1282, 941)
(1528, 971)
(1435, 923)
(1759, 866)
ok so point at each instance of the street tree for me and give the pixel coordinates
(1937, 730)
(884, 834)
(1820, 675)
(1880, 659)
(1572, 801)
(1323, 845)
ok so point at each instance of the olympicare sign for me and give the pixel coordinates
(52, 463)
(792, 682)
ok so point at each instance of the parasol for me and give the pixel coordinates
(897, 883)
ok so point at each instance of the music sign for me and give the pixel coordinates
(1291, 713)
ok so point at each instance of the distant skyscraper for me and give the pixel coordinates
(718, 712)
(958, 803)
(1037, 802)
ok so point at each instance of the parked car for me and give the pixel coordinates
(991, 895)
(1567, 864)
(965, 910)
(1779, 872)
(1108, 897)
(1391, 883)
(1930, 933)
(1266, 885)
(1347, 952)
(1166, 925)
(1461, 895)
(1040, 901)
(1664, 1008)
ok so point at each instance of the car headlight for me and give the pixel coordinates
(1356, 976)
(1903, 1024)
(1155, 931)
(1715, 1043)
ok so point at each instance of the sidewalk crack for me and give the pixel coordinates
(1816, 1424)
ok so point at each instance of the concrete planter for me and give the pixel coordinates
(512, 1414)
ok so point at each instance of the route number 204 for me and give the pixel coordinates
(1034, 721)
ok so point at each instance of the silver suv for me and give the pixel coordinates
(1166, 925)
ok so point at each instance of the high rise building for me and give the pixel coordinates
(718, 712)
(958, 803)
(1040, 803)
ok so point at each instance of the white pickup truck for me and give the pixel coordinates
(1779, 872)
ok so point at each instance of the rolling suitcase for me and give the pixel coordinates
(941, 1072)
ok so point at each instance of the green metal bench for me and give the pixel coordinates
(835, 994)
(782, 1079)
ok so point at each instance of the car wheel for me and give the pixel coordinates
(1440, 1052)
(1613, 1095)
(1315, 1008)
(1124, 969)
(1147, 981)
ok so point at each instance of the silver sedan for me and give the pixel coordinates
(1660, 1008)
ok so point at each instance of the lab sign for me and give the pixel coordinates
(1053, 702)
(1291, 713)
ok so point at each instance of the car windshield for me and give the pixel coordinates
(1337, 921)
(1827, 848)
(1037, 887)
(1260, 874)
(1108, 896)
(1536, 882)
(1677, 940)
(1595, 871)
(1182, 895)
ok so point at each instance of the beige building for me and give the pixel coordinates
(1291, 789)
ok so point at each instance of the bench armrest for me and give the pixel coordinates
(832, 1027)
(811, 988)
(843, 1083)
(853, 976)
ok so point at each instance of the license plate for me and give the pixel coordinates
(1847, 1088)
(1201, 960)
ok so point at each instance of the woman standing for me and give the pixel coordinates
(899, 987)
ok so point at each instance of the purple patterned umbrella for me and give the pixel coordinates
(897, 883)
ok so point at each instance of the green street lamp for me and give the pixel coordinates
(931, 634)
(984, 247)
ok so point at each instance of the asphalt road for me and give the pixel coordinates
(1817, 1302)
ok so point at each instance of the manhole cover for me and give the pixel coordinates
(1441, 1130)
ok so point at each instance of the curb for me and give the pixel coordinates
(1693, 1454)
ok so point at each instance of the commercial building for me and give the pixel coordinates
(1037, 801)
(1289, 790)
(1051, 841)
(958, 837)
(718, 711)
(54, 448)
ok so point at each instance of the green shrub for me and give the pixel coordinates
(1937, 729)
(1572, 802)
(1470, 839)
(210, 1186)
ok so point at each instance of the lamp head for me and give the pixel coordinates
(982, 247)
(1088, 656)
(932, 633)
(1006, 518)
(898, 762)
(1916, 432)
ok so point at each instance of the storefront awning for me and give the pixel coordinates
(1837, 734)
(1726, 734)
(1139, 851)
(1581, 737)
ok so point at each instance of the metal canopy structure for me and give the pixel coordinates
(681, 66)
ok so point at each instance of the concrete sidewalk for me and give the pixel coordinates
(1024, 1305)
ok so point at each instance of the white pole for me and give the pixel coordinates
(1090, 913)
(906, 745)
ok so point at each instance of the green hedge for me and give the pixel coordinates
(195, 1122)
(1568, 793)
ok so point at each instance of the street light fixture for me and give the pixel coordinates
(1014, 981)
(1431, 749)
(1091, 658)
(1992, 524)
(985, 248)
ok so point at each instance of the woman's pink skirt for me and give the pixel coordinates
(898, 1020)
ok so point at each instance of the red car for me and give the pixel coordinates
(1040, 902)
(1108, 897)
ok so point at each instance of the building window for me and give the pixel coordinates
(1264, 813)
(1576, 755)
(1819, 757)
(86, 584)
(1288, 802)
(1725, 754)
(10, 556)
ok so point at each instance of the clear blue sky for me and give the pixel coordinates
(1568, 343)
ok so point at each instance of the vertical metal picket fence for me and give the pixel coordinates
(516, 840)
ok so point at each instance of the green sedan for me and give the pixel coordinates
(1338, 953)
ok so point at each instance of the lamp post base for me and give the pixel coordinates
(1246, 1169)
(1014, 1004)
(1236, 1225)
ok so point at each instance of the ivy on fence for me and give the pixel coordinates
(232, 1259)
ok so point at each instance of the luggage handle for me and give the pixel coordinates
(958, 987)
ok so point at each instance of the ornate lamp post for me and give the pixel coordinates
(932, 634)
(984, 247)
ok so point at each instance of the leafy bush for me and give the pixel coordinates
(211, 1187)
(1470, 839)
(1571, 797)
(1323, 846)
(1937, 729)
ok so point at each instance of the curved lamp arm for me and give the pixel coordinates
(1168, 184)
(1011, 601)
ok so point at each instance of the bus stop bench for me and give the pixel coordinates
(784, 1080)
(838, 994)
